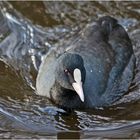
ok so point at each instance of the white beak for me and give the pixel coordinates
(79, 90)
(77, 85)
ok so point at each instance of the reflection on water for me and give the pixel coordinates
(38, 27)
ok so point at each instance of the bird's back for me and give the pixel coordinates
(109, 61)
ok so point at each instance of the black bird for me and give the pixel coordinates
(96, 71)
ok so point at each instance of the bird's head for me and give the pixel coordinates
(70, 76)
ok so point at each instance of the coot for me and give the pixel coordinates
(96, 71)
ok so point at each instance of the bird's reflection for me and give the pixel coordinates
(68, 135)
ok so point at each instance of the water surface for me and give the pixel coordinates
(26, 115)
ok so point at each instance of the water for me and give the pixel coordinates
(41, 26)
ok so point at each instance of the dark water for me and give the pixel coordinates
(26, 115)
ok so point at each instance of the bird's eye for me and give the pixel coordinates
(66, 71)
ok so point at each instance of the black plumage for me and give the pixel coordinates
(104, 55)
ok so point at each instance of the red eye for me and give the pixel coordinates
(66, 71)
